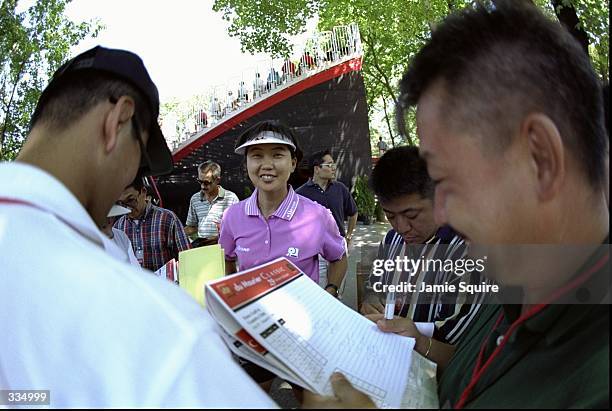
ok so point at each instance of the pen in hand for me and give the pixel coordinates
(390, 305)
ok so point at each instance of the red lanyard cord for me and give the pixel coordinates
(478, 370)
(14, 201)
(4, 200)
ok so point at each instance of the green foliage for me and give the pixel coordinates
(392, 32)
(380, 213)
(594, 18)
(364, 197)
(265, 25)
(33, 44)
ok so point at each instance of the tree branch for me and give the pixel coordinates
(8, 105)
(569, 18)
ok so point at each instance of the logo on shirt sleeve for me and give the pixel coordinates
(293, 252)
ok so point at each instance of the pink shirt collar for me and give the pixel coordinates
(286, 210)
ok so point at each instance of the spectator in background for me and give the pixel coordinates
(157, 234)
(243, 94)
(258, 86)
(201, 119)
(273, 79)
(331, 194)
(216, 109)
(307, 62)
(288, 70)
(382, 147)
(229, 104)
(119, 238)
(207, 206)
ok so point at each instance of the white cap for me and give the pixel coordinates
(117, 210)
(265, 137)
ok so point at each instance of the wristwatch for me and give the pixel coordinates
(334, 286)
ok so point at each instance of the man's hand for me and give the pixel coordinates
(402, 326)
(373, 307)
(333, 290)
(398, 325)
(349, 241)
(346, 396)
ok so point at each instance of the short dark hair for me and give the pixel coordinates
(77, 93)
(275, 126)
(316, 159)
(400, 171)
(497, 66)
(138, 184)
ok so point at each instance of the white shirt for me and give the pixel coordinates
(93, 330)
(126, 252)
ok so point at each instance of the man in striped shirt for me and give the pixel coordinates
(407, 200)
(157, 234)
(207, 206)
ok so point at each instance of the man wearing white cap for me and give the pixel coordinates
(119, 238)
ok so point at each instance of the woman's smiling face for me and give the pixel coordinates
(269, 166)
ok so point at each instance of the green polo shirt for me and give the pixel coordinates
(559, 358)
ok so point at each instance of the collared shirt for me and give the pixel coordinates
(336, 197)
(299, 229)
(206, 215)
(97, 332)
(559, 358)
(451, 313)
(157, 236)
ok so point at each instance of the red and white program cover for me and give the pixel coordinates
(277, 317)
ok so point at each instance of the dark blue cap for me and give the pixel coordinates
(129, 67)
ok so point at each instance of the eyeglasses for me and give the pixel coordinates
(145, 161)
(129, 202)
(328, 165)
(204, 182)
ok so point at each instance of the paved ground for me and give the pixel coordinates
(365, 242)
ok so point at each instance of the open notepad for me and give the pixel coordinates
(278, 318)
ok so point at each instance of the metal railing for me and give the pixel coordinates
(319, 52)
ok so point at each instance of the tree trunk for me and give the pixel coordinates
(569, 18)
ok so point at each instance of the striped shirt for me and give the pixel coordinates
(206, 215)
(451, 313)
(157, 237)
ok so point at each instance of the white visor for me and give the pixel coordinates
(265, 137)
(117, 210)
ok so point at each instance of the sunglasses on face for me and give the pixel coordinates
(204, 182)
(328, 165)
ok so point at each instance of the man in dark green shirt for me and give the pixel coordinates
(556, 358)
(510, 122)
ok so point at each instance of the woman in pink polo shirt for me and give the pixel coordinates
(277, 222)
